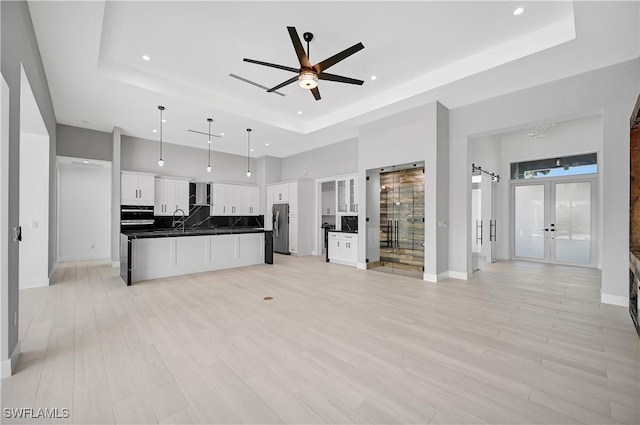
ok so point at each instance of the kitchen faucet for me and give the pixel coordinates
(178, 224)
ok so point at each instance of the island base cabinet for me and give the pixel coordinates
(155, 258)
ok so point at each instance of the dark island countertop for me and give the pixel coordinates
(172, 233)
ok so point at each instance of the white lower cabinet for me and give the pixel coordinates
(343, 248)
(154, 258)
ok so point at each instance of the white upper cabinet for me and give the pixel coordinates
(170, 196)
(233, 199)
(347, 195)
(136, 188)
(250, 200)
(281, 193)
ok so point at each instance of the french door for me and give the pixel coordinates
(554, 221)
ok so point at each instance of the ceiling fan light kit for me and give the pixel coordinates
(308, 80)
(309, 75)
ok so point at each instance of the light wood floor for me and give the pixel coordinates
(520, 343)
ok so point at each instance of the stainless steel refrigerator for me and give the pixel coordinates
(281, 228)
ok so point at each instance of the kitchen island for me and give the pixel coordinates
(164, 253)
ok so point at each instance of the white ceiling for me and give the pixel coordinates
(420, 51)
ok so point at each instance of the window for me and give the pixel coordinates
(555, 167)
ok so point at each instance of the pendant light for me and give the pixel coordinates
(248, 150)
(209, 144)
(161, 161)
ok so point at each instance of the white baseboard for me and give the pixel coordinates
(115, 264)
(436, 277)
(34, 283)
(362, 266)
(458, 275)
(430, 277)
(614, 299)
(6, 369)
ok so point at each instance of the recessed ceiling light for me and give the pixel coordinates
(154, 131)
(164, 120)
(266, 144)
(518, 11)
(299, 112)
(85, 162)
(222, 134)
(251, 149)
(373, 77)
(146, 58)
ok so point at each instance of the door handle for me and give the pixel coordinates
(479, 227)
(493, 227)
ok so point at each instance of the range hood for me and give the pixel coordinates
(200, 193)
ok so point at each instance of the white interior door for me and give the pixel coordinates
(553, 221)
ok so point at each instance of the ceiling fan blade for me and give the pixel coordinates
(316, 93)
(200, 132)
(339, 78)
(297, 45)
(286, 83)
(272, 65)
(253, 83)
(325, 64)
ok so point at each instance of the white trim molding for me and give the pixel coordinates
(115, 264)
(362, 266)
(614, 300)
(459, 275)
(8, 365)
(429, 277)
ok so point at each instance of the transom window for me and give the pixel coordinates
(555, 167)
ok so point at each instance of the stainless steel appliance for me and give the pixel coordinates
(136, 217)
(281, 228)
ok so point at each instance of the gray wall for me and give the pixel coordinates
(19, 45)
(83, 143)
(184, 161)
(411, 136)
(332, 160)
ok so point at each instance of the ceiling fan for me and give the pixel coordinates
(309, 75)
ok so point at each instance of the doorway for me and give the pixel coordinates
(554, 221)
(401, 220)
(84, 209)
(484, 224)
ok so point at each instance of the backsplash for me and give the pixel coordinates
(199, 217)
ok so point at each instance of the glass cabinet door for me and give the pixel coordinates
(341, 194)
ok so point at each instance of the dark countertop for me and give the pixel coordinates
(171, 233)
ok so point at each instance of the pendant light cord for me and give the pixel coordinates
(161, 133)
(248, 148)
